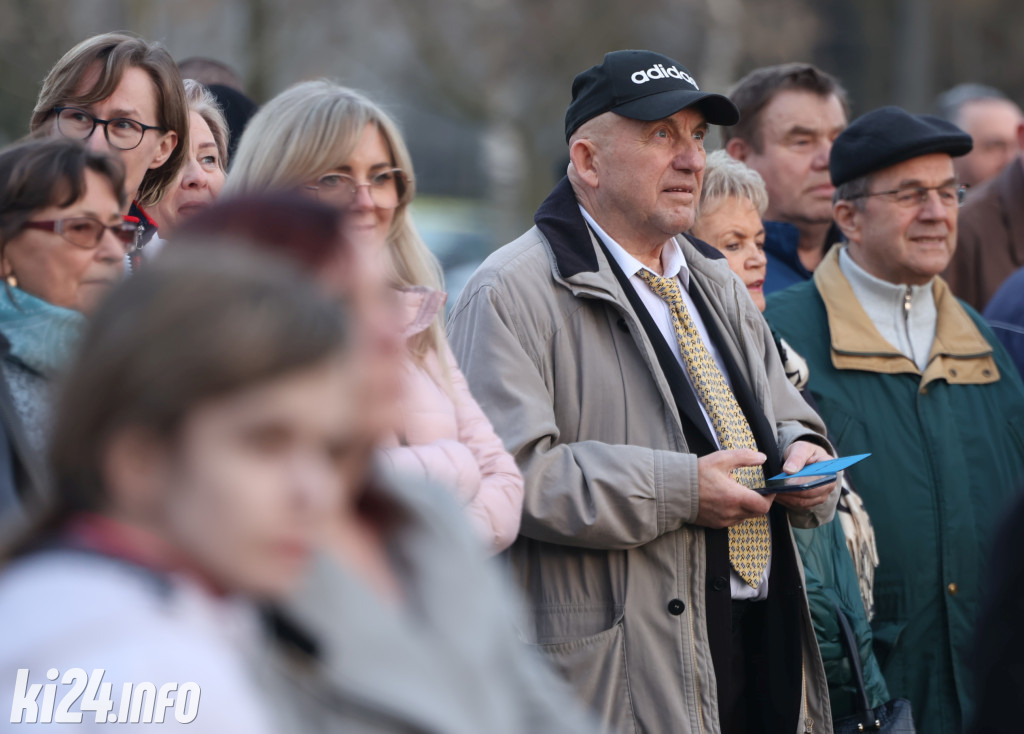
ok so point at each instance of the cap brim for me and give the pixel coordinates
(717, 109)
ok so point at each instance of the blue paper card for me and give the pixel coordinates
(825, 467)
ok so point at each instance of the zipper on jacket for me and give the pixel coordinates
(130, 258)
(907, 298)
(808, 721)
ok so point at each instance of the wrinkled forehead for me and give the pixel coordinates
(688, 119)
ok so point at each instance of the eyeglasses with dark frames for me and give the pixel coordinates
(121, 132)
(951, 195)
(86, 232)
(387, 188)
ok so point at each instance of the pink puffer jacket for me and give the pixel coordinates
(445, 437)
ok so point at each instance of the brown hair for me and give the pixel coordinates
(37, 174)
(193, 326)
(752, 93)
(116, 52)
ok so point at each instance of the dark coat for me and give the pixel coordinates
(781, 242)
(832, 580)
(999, 649)
(1005, 314)
(990, 239)
(947, 461)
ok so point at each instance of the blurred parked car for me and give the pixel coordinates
(457, 231)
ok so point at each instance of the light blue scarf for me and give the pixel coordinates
(42, 336)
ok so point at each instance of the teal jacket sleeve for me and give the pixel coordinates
(831, 580)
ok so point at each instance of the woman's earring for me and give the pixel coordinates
(12, 280)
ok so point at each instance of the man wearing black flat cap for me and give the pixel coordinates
(641, 393)
(904, 370)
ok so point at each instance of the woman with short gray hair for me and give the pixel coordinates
(732, 202)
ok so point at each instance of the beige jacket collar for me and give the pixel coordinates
(960, 353)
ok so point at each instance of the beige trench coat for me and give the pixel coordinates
(560, 363)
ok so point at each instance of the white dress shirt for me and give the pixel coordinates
(673, 265)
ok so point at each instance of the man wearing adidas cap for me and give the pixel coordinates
(631, 375)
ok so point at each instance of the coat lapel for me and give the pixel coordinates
(698, 434)
(559, 218)
(575, 250)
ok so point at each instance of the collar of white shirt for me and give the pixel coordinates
(673, 262)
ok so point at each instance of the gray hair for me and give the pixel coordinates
(853, 191)
(724, 176)
(203, 103)
(950, 102)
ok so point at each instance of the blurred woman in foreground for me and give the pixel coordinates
(733, 199)
(403, 625)
(199, 446)
(62, 247)
(334, 144)
(201, 177)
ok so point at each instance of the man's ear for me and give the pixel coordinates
(583, 155)
(737, 148)
(135, 467)
(849, 219)
(167, 145)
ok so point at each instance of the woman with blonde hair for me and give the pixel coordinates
(337, 145)
(201, 178)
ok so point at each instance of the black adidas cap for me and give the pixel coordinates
(642, 85)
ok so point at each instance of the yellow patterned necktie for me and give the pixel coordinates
(749, 540)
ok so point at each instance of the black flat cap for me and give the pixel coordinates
(642, 85)
(238, 109)
(891, 135)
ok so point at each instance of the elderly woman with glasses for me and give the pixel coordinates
(335, 144)
(62, 246)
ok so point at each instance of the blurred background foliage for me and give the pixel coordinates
(480, 86)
